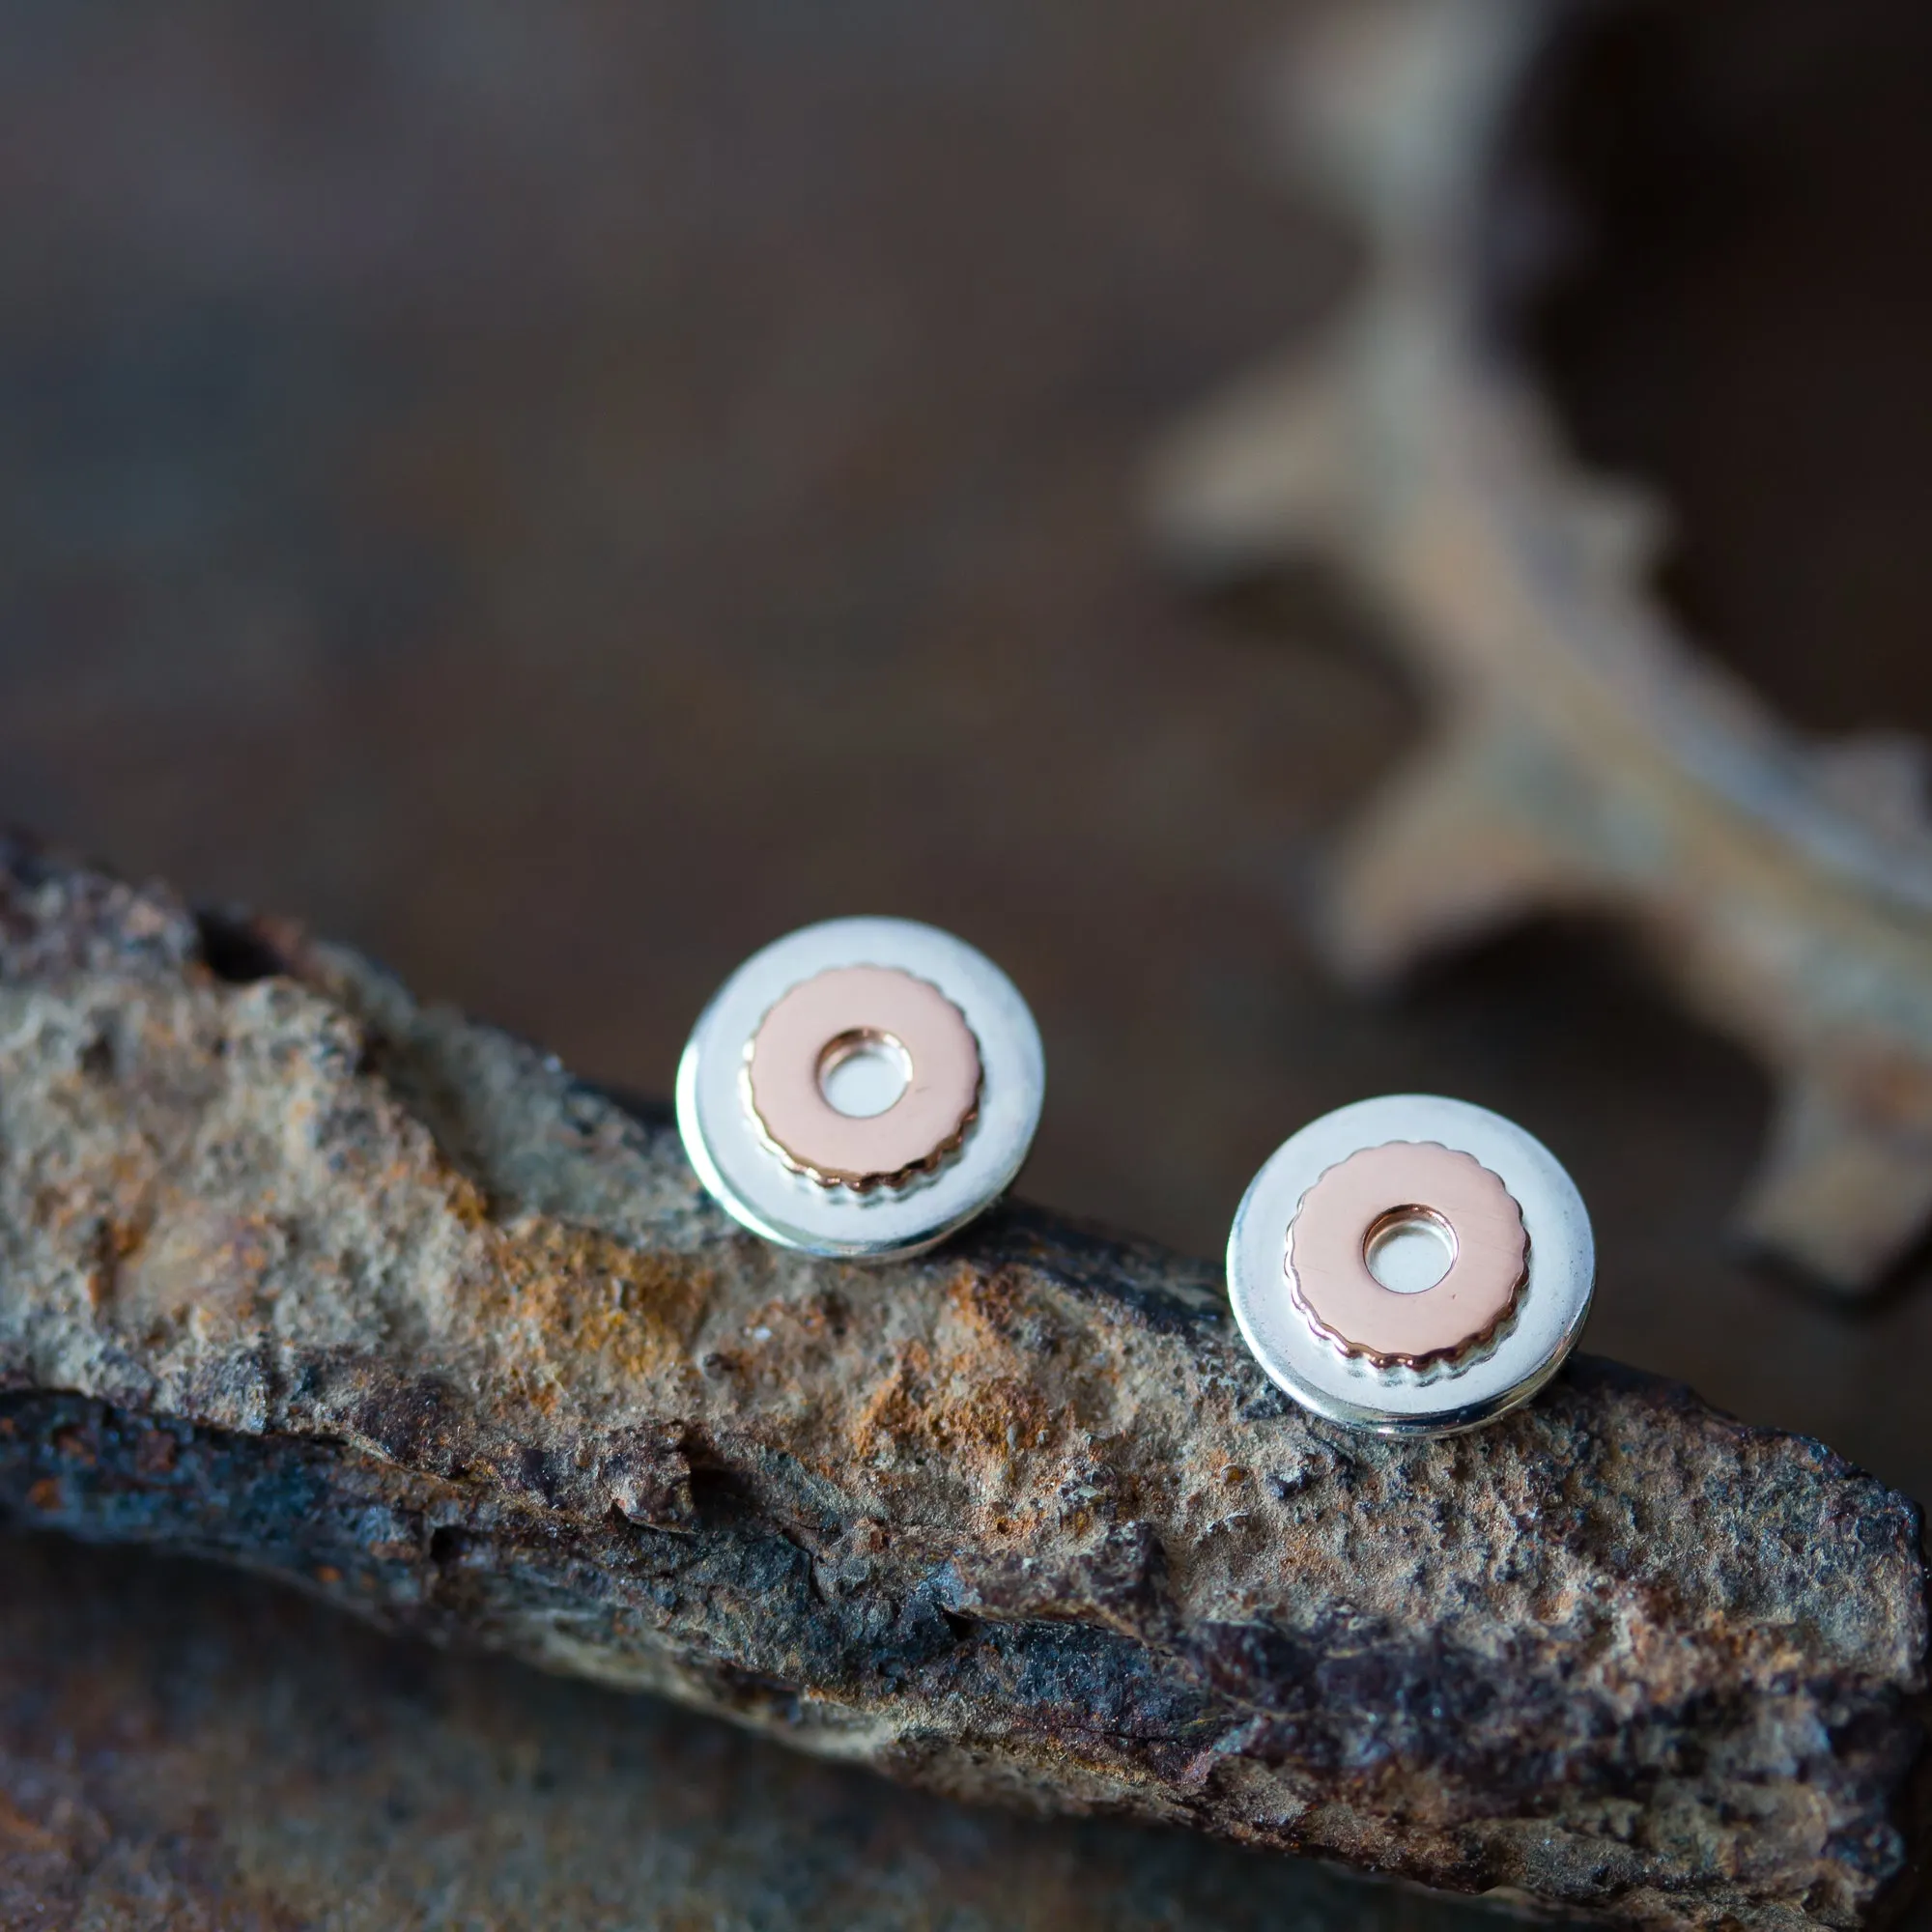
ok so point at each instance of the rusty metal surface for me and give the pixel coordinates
(180, 1749)
(1584, 757)
(297, 1272)
(336, 579)
(423, 572)
(432, 454)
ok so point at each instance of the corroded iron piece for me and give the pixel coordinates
(1331, 1239)
(183, 1747)
(847, 1009)
(300, 1274)
(1584, 757)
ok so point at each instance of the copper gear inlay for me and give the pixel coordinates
(1327, 1253)
(787, 1056)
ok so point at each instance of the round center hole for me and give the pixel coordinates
(1410, 1249)
(863, 1073)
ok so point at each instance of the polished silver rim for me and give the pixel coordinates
(754, 1184)
(1551, 1308)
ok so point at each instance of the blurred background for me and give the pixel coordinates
(557, 495)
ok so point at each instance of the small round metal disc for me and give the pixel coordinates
(747, 1174)
(1438, 1400)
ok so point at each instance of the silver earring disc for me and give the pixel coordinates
(1447, 1355)
(799, 1174)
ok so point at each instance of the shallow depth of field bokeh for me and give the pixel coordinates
(558, 496)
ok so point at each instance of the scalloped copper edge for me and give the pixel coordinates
(1464, 1353)
(869, 1184)
(898, 1179)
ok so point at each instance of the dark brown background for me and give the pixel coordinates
(559, 495)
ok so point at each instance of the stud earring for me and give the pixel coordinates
(1411, 1266)
(861, 1089)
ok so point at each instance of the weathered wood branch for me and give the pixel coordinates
(296, 1271)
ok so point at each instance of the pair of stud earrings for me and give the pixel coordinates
(1409, 1265)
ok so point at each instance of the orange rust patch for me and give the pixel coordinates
(820, 1317)
(567, 1292)
(115, 1244)
(46, 1496)
(993, 1303)
(1002, 1414)
(103, 1210)
(16, 1825)
(895, 1412)
(468, 1205)
(983, 1423)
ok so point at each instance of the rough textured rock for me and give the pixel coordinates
(298, 1273)
(187, 1751)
